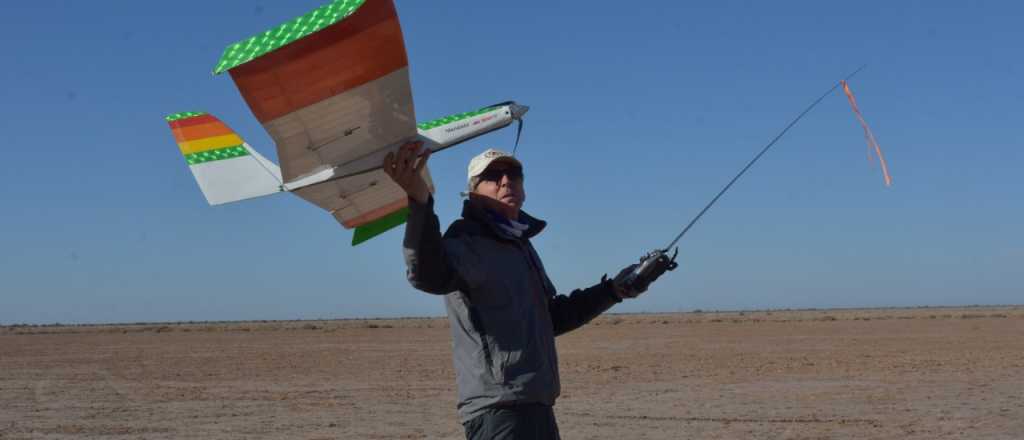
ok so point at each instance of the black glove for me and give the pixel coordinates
(636, 278)
(619, 283)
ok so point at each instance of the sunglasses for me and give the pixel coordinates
(495, 174)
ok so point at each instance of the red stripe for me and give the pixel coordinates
(195, 120)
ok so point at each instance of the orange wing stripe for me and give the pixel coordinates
(376, 213)
(195, 132)
(350, 53)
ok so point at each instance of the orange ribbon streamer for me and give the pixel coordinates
(872, 143)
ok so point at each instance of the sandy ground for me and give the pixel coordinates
(852, 374)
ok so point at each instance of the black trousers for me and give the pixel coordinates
(532, 421)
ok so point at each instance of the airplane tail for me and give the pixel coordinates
(226, 168)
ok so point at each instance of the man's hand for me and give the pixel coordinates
(635, 279)
(622, 289)
(405, 169)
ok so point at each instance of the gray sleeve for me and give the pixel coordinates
(427, 265)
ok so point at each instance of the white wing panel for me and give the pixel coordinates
(240, 178)
(359, 199)
(372, 117)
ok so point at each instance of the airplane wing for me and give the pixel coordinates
(332, 87)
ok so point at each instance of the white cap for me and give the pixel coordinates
(484, 160)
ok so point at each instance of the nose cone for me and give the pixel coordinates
(518, 110)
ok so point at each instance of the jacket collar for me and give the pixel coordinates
(474, 212)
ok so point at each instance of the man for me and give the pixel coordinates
(503, 309)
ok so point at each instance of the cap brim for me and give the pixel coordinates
(484, 165)
(508, 159)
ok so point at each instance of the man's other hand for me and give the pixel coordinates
(622, 289)
(636, 278)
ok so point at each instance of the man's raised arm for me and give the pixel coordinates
(427, 265)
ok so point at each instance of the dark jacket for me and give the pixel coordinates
(504, 311)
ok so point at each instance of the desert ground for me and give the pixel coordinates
(923, 373)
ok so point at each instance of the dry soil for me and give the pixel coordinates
(820, 374)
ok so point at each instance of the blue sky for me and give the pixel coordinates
(639, 116)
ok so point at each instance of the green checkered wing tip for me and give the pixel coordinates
(290, 31)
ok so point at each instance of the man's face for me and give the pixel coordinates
(503, 182)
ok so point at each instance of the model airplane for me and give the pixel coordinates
(332, 89)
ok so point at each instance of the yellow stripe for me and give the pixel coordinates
(210, 143)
